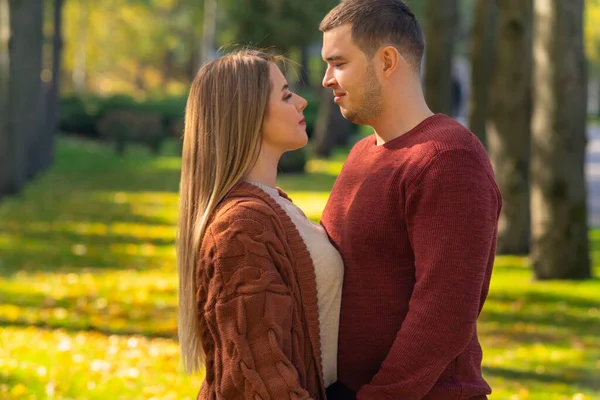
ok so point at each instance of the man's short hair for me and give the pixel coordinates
(378, 23)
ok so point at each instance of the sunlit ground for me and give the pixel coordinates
(88, 290)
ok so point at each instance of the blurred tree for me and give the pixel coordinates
(559, 246)
(210, 30)
(441, 28)
(284, 24)
(53, 90)
(331, 128)
(483, 40)
(592, 42)
(81, 43)
(120, 51)
(509, 122)
(21, 92)
(10, 177)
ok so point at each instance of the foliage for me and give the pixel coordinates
(82, 115)
(284, 23)
(88, 290)
(592, 34)
(153, 46)
(134, 46)
(293, 161)
(123, 127)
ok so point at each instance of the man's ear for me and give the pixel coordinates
(390, 59)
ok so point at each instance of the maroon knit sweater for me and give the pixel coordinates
(415, 221)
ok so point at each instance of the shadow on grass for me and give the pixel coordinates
(580, 378)
(558, 318)
(60, 257)
(93, 312)
(82, 326)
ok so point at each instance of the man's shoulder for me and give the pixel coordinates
(449, 134)
(446, 136)
(362, 145)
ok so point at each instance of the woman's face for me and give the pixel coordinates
(284, 127)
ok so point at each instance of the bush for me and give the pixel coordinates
(79, 115)
(122, 127)
(293, 162)
(82, 115)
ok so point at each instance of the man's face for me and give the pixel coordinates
(351, 76)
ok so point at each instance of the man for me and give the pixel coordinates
(414, 214)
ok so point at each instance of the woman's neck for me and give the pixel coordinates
(265, 169)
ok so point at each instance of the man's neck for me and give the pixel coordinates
(400, 115)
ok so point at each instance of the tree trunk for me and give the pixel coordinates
(11, 178)
(304, 66)
(53, 100)
(30, 119)
(79, 66)
(21, 94)
(210, 30)
(509, 122)
(483, 40)
(559, 248)
(331, 128)
(441, 27)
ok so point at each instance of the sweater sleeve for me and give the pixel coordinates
(452, 211)
(251, 311)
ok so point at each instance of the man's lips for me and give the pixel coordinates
(338, 96)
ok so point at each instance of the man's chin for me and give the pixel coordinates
(350, 116)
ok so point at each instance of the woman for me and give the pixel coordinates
(259, 283)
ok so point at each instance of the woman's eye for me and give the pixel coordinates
(288, 96)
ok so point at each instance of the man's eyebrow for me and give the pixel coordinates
(334, 58)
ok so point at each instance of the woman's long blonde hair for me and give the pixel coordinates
(223, 118)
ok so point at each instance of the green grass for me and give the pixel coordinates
(88, 290)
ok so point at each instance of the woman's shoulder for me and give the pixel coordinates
(245, 202)
(244, 212)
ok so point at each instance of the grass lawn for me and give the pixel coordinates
(88, 290)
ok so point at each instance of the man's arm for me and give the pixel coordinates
(452, 210)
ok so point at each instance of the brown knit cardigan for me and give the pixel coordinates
(257, 300)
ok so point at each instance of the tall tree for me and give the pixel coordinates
(331, 128)
(441, 27)
(52, 100)
(21, 92)
(30, 114)
(559, 247)
(10, 179)
(509, 122)
(80, 63)
(483, 41)
(209, 29)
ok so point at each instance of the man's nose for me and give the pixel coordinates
(328, 80)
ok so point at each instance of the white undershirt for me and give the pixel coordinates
(329, 271)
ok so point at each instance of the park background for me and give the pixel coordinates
(92, 95)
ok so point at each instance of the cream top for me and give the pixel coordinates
(329, 271)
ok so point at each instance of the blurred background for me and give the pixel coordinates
(92, 97)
